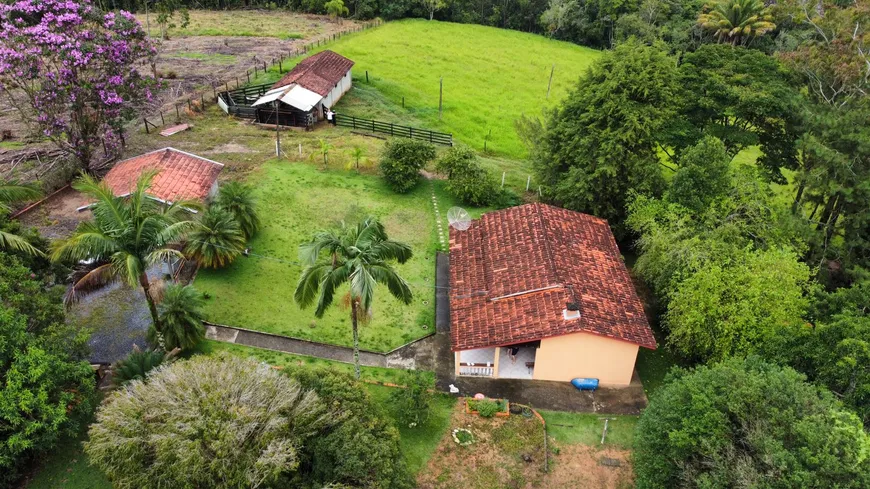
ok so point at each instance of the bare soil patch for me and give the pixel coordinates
(509, 453)
(57, 217)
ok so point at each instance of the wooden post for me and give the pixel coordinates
(528, 182)
(367, 76)
(277, 133)
(177, 115)
(146, 126)
(214, 90)
(403, 102)
(264, 67)
(202, 101)
(248, 72)
(237, 82)
(552, 69)
(502, 178)
(162, 122)
(189, 108)
(281, 66)
(440, 96)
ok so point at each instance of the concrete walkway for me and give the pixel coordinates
(405, 357)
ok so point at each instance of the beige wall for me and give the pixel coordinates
(585, 355)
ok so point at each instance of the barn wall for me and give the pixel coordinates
(563, 358)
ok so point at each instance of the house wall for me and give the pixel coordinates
(563, 358)
(340, 89)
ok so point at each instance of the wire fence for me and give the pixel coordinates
(197, 101)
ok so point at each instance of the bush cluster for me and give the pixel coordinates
(402, 160)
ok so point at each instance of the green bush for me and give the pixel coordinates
(237, 198)
(43, 393)
(210, 422)
(413, 404)
(181, 318)
(362, 447)
(402, 161)
(746, 423)
(466, 179)
(487, 408)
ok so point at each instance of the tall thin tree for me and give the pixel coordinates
(127, 236)
(359, 256)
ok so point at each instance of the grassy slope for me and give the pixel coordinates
(296, 200)
(491, 76)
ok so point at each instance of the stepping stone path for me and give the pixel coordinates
(441, 237)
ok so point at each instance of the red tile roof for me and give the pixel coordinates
(318, 73)
(513, 271)
(182, 176)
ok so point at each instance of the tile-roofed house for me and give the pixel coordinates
(181, 175)
(319, 73)
(551, 281)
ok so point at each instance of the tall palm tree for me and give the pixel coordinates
(11, 192)
(237, 199)
(127, 235)
(217, 241)
(358, 256)
(737, 21)
(181, 318)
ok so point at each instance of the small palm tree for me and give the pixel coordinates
(237, 198)
(324, 151)
(127, 236)
(11, 192)
(217, 241)
(181, 318)
(137, 364)
(359, 256)
(737, 21)
(357, 153)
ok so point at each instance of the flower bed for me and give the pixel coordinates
(483, 407)
(463, 437)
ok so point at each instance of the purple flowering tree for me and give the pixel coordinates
(73, 73)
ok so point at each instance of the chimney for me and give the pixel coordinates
(571, 311)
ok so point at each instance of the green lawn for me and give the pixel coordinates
(491, 76)
(585, 429)
(295, 201)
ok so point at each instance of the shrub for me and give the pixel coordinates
(402, 161)
(362, 447)
(43, 393)
(745, 423)
(180, 318)
(413, 404)
(138, 363)
(237, 198)
(487, 408)
(217, 241)
(206, 422)
(466, 179)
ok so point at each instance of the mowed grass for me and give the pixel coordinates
(586, 429)
(295, 201)
(491, 76)
(243, 23)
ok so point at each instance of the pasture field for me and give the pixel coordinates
(491, 76)
(281, 24)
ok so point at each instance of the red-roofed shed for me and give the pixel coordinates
(541, 292)
(181, 175)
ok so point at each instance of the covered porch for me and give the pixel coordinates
(503, 362)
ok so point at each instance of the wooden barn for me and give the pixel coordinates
(305, 94)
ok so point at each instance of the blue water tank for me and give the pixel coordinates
(585, 384)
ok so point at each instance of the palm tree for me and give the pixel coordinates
(324, 151)
(237, 199)
(217, 241)
(180, 317)
(127, 235)
(737, 21)
(359, 256)
(357, 153)
(11, 192)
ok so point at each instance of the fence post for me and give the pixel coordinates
(146, 126)
(353, 119)
(177, 115)
(391, 129)
(202, 102)
(367, 76)
(214, 91)
(440, 96)
(189, 108)
(248, 72)
(502, 178)
(281, 66)
(162, 122)
(403, 102)
(528, 182)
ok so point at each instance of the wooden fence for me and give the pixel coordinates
(197, 101)
(393, 129)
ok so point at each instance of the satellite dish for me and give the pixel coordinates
(458, 218)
